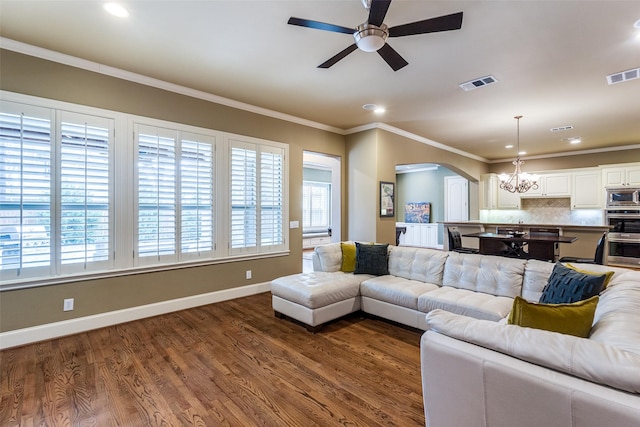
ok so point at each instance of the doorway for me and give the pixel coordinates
(321, 210)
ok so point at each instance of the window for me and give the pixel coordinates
(55, 215)
(84, 190)
(257, 181)
(316, 206)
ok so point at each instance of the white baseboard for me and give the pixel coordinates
(48, 331)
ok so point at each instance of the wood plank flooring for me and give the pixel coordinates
(227, 364)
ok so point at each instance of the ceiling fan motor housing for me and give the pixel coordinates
(369, 37)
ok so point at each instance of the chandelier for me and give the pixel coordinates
(518, 181)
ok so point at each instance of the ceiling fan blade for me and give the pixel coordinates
(328, 63)
(392, 57)
(320, 25)
(433, 25)
(378, 11)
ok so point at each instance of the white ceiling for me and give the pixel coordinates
(550, 58)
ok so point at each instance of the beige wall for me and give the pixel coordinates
(36, 306)
(571, 162)
(373, 156)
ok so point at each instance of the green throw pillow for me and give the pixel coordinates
(348, 257)
(570, 319)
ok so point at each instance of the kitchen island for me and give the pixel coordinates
(583, 247)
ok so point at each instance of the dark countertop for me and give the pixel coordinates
(489, 225)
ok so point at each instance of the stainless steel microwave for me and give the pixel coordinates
(623, 197)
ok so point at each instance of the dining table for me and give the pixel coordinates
(516, 245)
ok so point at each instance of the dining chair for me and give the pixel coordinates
(544, 250)
(597, 259)
(455, 243)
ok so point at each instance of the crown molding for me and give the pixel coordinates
(96, 67)
(572, 153)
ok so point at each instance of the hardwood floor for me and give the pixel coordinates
(231, 363)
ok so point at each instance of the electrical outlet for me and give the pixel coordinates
(68, 304)
(248, 274)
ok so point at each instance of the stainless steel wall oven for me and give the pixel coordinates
(624, 236)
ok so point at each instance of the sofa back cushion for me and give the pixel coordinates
(421, 264)
(536, 276)
(327, 257)
(484, 273)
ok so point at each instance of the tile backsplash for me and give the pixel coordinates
(545, 211)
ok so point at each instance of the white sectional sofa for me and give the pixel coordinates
(477, 370)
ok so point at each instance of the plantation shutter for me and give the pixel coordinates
(85, 207)
(271, 196)
(156, 188)
(196, 195)
(244, 200)
(25, 191)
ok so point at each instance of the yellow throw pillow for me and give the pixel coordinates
(570, 319)
(348, 257)
(609, 274)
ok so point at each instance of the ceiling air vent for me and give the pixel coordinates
(474, 84)
(623, 76)
(561, 128)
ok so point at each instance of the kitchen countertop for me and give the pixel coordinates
(483, 225)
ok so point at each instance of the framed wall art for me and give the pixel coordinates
(387, 201)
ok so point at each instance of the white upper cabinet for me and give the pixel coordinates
(488, 191)
(621, 176)
(552, 185)
(588, 192)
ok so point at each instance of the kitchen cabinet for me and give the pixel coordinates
(587, 191)
(552, 185)
(621, 176)
(423, 235)
(493, 197)
(488, 191)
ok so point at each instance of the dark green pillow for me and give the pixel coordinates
(372, 259)
(566, 285)
(570, 319)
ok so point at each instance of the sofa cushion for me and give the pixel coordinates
(484, 273)
(424, 265)
(396, 290)
(348, 256)
(329, 257)
(474, 304)
(616, 322)
(536, 276)
(372, 259)
(318, 288)
(571, 319)
(567, 285)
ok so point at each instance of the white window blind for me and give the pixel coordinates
(196, 194)
(156, 168)
(25, 191)
(257, 182)
(85, 213)
(271, 196)
(316, 210)
(244, 196)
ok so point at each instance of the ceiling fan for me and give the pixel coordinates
(372, 35)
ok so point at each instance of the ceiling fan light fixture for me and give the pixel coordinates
(370, 38)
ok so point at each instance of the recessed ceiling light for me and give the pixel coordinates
(573, 140)
(369, 106)
(379, 110)
(508, 146)
(116, 10)
(637, 24)
(522, 153)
